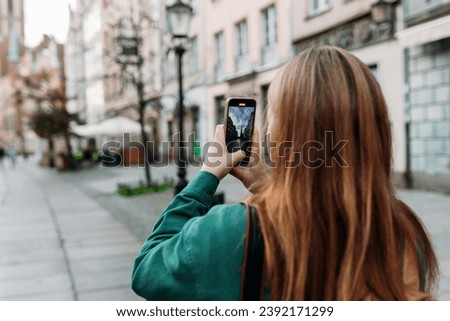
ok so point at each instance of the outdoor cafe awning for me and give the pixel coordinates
(116, 126)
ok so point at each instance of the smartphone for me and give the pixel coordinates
(239, 123)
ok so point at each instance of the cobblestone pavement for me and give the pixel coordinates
(70, 236)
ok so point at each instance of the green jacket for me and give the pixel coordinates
(194, 252)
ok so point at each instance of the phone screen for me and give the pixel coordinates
(240, 122)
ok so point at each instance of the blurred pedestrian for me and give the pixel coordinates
(12, 155)
(332, 227)
(2, 155)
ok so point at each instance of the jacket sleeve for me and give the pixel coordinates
(163, 270)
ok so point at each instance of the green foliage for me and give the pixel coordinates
(143, 189)
(78, 156)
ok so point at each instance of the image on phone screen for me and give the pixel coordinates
(240, 129)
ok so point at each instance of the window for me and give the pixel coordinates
(193, 4)
(194, 55)
(318, 6)
(374, 69)
(269, 16)
(269, 37)
(241, 45)
(241, 38)
(171, 60)
(219, 101)
(264, 94)
(219, 45)
(194, 138)
(170, 130)
(195, 114)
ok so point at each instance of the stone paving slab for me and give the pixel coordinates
(19, 228)
(42, 268)
(13, 256)
(103, 280)
(101, 251)
(57, 243)
(106, 239)
(100, 264)
(32, 285)
(88, 227)
(59, 295)
(112, 294)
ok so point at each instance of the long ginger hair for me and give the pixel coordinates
(332, 225)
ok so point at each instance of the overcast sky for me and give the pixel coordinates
(46, 17)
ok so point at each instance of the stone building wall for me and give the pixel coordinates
(428, 72)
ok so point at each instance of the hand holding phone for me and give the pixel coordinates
(239, 125)
(217, 160)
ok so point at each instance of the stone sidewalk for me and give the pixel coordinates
(68, 236)
(434, 211)
(140, 213)
(57, 243)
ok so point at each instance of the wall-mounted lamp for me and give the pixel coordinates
(382, 11)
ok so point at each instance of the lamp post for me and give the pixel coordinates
(178, 20)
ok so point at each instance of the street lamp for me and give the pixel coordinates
(178, 20)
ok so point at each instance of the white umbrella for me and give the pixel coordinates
(112, 127)
(119, 125)
(85, 130)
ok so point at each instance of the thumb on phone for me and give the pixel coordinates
(236, 157)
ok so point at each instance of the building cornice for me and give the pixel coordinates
(358, 32)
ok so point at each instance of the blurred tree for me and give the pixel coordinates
(51, 118)
(41, 122)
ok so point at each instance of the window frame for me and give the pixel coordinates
(219, 64)
(322, 6)
(194, 65)
(241, 38)
(269, 26)
(269, 36)
(241, 45)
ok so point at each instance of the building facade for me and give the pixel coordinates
(104, 72)
(368, 31)
(426, 43)
(85, 55)
(11, 50)
(246, 49)
(234, 52)
(47, 57)
(75, 66)
(91, 13)
(242, 50)
(230, 53)
(129, 68)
